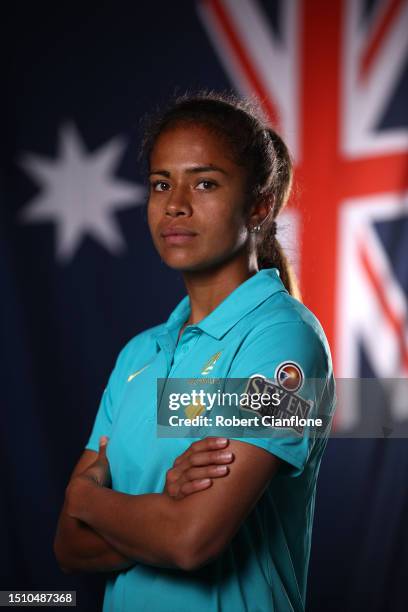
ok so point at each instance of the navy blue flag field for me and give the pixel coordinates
(79, 275)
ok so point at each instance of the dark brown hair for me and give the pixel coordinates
(255, 146)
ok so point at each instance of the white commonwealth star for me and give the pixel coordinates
(80, 193)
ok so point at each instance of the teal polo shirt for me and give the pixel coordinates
(257, 329)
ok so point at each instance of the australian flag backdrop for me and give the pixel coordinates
(79, 275)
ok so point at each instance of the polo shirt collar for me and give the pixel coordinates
(245, 298)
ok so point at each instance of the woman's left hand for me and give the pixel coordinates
(195, 469)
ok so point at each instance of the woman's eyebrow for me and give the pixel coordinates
(162, 172)
(209, 168)
(192, 170)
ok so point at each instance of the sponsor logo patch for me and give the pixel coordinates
(290, 404)
(289, 375)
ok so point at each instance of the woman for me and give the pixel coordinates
(218, 179)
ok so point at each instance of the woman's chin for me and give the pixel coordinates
(185, 262)
(185, 266)
(195, 265)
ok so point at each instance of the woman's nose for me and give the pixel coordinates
(178, 202)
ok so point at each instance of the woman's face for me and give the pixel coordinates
(197, 199)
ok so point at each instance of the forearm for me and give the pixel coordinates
(146, 528)
(78, 547)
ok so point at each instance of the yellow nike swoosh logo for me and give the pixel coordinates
(132, 376)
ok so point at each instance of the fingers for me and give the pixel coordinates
(209, 471)
(207, 444)
(193, 486)
(203, 458)
(181, 482)
(103, 443)
(179, 491)
(194, 469)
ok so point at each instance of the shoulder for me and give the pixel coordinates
(284, 329)
(282, 309)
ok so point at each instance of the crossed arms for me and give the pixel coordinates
(104, 530)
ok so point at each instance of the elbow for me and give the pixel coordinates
(194, 551)
(191, 562)
(62, 560)
(58, 554)
(65, 566)
(193, 559)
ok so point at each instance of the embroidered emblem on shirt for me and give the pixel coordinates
(283, 403)
(193, 410)
(132, 376)
(208, 366)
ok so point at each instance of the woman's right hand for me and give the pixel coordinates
(197, 466)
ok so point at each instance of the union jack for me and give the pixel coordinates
(325, 80)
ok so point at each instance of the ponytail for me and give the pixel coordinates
(270, 252)
(278, 259)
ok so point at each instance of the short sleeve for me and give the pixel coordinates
(104, 417)
(103, 420)
(292, 356)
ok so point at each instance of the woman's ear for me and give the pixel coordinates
(260, 210)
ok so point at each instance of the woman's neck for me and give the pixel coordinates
(209, 288)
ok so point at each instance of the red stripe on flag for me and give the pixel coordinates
(397, 323)
(320, 46)
(373, 175)
(377, 38)
(243, 58)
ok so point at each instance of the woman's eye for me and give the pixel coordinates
(206, 185)
(160, 186)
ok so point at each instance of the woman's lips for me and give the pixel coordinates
(178, 235)
(179, 238)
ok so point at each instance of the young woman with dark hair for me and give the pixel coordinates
(217, 524)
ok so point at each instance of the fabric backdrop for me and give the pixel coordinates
(79, 275)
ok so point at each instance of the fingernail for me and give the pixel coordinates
(221, 469)
(221, 441)
(226, 456)
(205, 481)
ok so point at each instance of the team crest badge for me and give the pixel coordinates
(208, 366)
